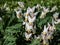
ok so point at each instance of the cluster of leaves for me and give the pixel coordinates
(11, 29)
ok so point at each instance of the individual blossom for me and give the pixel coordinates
(45, 31)
(18, 12)
(44, 12)
(55, 15)
(57, 21)
(28, 27)
(51, 29)
(31, 20)
(32, 17)
(28, 36)
(54, 8)
(31, 10)
(21, 4)
(38, 6)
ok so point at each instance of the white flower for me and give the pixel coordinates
(57, 22)
(33, 17)
(31, 10)
(18, 12)
(38, 5)
(24, 23)
(55, 15)
(33, 14)
(51, 28)
(53, 9)
(28, 26)
(28, 10)
(27, 36)
(31, 20)
(44, 12)
(45, 31)
(21, 4)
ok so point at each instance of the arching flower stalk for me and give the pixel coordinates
(51, 30)
(28, 33)
(44, 35)
(29, 22)
(47, 33)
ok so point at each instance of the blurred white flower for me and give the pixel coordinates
(44, 38)
(34, 14)
(28, 36)
(18, 12)
(31, 20)
(31, 10)
(57, 21)
(21, 4)
(28, 10)
(44, 12)
(24, 23)
(45, 31)
(53, 9)
(28, 27)
(38, 6)
(51, 27)
(55, 15)
(0, 19)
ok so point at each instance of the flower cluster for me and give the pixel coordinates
(30, 20)
(30, 26)
(47, 33)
